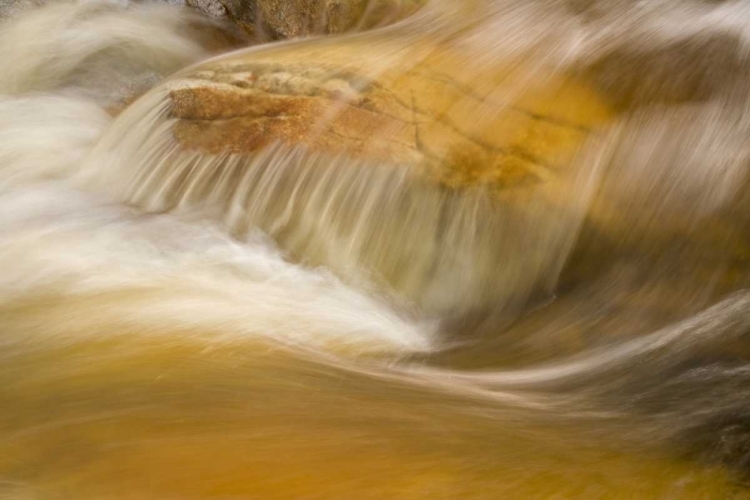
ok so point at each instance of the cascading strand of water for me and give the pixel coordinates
(370, 222)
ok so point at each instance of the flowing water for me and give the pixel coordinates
(177, 324)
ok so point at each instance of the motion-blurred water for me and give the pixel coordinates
(181, 325)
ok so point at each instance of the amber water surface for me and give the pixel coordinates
(154, 354)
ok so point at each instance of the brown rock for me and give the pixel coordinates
(693, 69)
(394, 147)
(281, 19)
(439, 115)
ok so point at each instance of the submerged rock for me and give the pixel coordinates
(495, 127)
(692, 69)
(444, 181)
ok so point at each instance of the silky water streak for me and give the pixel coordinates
(184, 322)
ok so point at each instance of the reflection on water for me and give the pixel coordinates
(540, 294)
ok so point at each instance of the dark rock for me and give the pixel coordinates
(693, 69)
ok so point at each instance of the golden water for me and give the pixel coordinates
(177, 325)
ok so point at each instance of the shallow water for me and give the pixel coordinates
(211, 326)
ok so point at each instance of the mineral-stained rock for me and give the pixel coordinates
(494, 127)
(351, 110)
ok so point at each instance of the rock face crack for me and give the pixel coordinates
(417, 139)
(420, 118)
(468, 92)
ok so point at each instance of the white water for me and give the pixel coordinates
(62, 239)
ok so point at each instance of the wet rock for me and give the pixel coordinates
(212, 8)
(11, 8)
(727, 443)
(693, 69)
(429, 142)
(280, 19)
(457, 128)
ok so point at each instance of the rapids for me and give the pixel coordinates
(178, 324)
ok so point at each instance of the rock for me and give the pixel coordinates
(11, 8)
(440, 115)
(281, 19)
(660, 51)
(432, 142)
(693, 69)
(212, 8)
